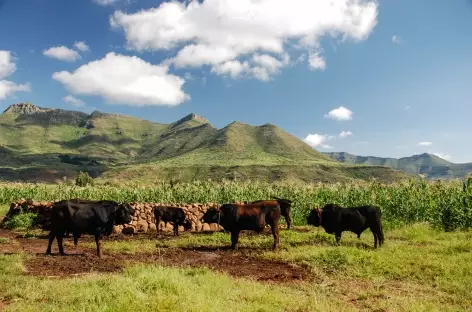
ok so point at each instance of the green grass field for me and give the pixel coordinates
(424, 265)
(418, 269)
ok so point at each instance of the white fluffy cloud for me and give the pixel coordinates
(315, 140)
(397, 39)
(127, 80)
(70, 99)
(62, 53)
(424, 143)
(82, 46)
(345, 134)
(340, 113)
(234, 69)
(8, 88)
(7, 68)
(215, 32)
(316, 61)
(7, 64)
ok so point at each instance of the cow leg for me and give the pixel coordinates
(76, 240)
(98, 243)
(60, 238)
(234, 239)
(52, 235)
(378, 235)
(338, 238)
(288, 220)
(381, 236)
(176, 228)
(275, 232)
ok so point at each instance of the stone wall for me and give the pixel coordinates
(143, 219)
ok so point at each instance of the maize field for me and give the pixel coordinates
(445, 204)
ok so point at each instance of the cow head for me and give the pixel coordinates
(212, 215)
(314, 217)
(124, 214)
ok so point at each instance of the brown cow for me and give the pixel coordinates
(285, 205)
(238, 217)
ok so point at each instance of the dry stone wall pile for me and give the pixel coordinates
(143, 219)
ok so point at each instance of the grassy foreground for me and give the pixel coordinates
(418, 269)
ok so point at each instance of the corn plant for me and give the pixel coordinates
(445, 204)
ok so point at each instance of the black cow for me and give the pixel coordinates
(79, 216)
(235, 218)
(175, 215)
(285, 206)
(336, 219)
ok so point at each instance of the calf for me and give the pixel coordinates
(336, 219)
(86, 216)
(175, 215)
(237, 217)
(285, 206)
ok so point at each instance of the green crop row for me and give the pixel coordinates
(444, 204)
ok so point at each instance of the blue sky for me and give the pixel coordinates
(403, 68)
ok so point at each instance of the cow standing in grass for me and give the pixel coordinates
(336, 219)
(235, 218)
(285, 206)
(175, 215)
(86, 216)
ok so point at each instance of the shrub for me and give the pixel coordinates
(83, 179)
(22, 221)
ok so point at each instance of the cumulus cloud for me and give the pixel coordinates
(345, 134)
(340, 113)
(122, 79)
(82, 46)
(224, 34)
(70, 99)
(62, 53)
(234, 69)
(425, 143)
(7, 68)
(316, 61)
(315, 140)
(7, 64)
(8, 88)
(397, 39)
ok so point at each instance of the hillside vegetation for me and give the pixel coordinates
(431, 166)
(42, 144)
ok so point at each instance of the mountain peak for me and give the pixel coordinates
(192, 118)
(25, 109)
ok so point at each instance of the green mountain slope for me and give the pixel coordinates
(42, 144)
(431, 166)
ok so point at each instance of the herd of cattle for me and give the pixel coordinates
(78, 216)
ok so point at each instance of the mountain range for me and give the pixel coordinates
(428, 165)
(53, 145)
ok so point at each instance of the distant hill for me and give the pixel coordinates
(44, 144)
(431, 166)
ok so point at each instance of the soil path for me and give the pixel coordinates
(83, 260)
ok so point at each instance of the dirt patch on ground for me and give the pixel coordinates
(82, 260)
